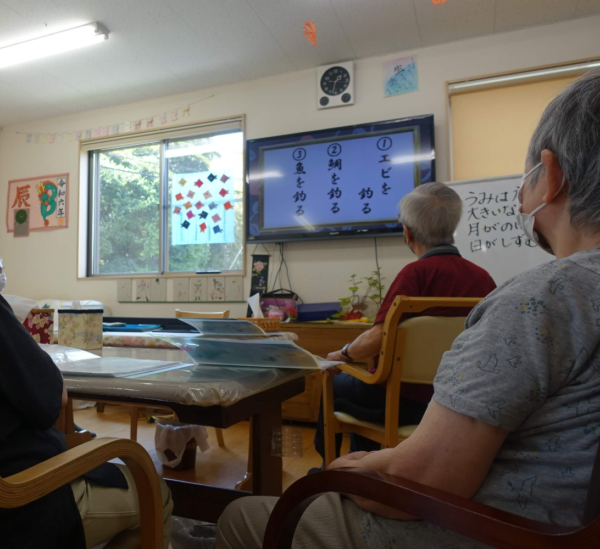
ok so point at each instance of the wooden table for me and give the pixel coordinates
(199, 501)
(320, 339)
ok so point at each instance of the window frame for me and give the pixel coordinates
(89, 203)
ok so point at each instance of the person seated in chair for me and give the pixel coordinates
(430, 215)
(514, 422)
(101, 505)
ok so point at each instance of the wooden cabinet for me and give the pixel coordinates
(319, 339)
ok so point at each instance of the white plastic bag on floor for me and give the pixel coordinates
(174, 435)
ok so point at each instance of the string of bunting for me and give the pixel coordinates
(51, 138)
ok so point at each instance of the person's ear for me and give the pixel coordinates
(554, 175)
(407, 235)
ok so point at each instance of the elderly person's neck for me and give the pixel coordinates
(418, 249)
(565, 240)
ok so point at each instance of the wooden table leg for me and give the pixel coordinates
(246, 482)
(267, 470)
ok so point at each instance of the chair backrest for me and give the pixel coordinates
(426, 340)
(394, 338)
(194, 314)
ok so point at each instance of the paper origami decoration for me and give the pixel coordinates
(203, 215)
(203, 227)
(310, 32)
(207, 195)
(198, 205)
(438, 2)
(217, 229)
(227, 206)
(199, 183)
(216, 218)
(182, 182)
(185, 224)
(212, 206)
(224, 179)
(187, 205)
(178, 196)
(191, 194)
(223, 192)
(190, 215)
(176, 209)
(212, 177)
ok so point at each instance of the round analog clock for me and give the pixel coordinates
(335, 80)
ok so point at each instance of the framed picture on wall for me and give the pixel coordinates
(46, 198)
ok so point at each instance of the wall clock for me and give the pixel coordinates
(335, 85)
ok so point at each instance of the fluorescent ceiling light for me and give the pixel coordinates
(52, 44)
(522, 76)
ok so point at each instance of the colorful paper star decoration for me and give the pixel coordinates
(224, 179)
(223, 192)
(438, 2)
(203, 215)
(182, 182)
(207, 195)
(227, 206)
(190, 215)
(212, 177)
(216, 218)
(185, 224)
(179, 196)
(203, 227)
(217, 229)
(310, 32)
(176, 209)
(198, 205)
(191, 194)
(187, 205)
(212, 206)
(199, 183)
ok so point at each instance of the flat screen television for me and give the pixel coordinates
(336, 183)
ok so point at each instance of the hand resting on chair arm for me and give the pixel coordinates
(364, 347)
(448, 451)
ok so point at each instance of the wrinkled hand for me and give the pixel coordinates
(348, 460)
(337, 356)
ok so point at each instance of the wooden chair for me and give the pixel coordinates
(474, 520)
(39, 480)
(193, 314)
(411, 352)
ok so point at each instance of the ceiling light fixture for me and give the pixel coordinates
(52, 44)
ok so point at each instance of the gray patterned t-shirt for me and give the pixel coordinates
(528, 362)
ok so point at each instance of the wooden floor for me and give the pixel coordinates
(217, 466)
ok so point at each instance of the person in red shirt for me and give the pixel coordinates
(430, 215)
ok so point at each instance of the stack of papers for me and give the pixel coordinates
(75, 362)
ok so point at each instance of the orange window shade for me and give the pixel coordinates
(491, 128)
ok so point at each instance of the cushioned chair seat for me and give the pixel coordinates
(403, 432)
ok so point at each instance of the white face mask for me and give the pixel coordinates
(526, 221)
(2, 277)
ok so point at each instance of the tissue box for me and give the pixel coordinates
(80, 328)
(40, 324)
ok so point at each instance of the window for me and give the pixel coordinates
(172, 202)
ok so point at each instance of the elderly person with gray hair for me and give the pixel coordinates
(514, 422)
(430, 215)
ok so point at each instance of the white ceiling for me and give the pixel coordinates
(162, 47)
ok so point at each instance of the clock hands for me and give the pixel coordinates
(335, 83)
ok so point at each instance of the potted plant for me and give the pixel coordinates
(356, 304)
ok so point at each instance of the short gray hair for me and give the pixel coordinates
(432, 212)
(570, 128)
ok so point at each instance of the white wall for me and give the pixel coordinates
(44, 264)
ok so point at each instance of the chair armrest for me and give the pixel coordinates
(39, 480)
(475, 520)
(359, 373)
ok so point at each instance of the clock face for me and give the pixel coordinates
(335, 81)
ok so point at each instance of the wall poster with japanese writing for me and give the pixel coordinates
(400, 76)
(488, 234)
(42, 201)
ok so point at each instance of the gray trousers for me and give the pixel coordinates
(330, 522)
